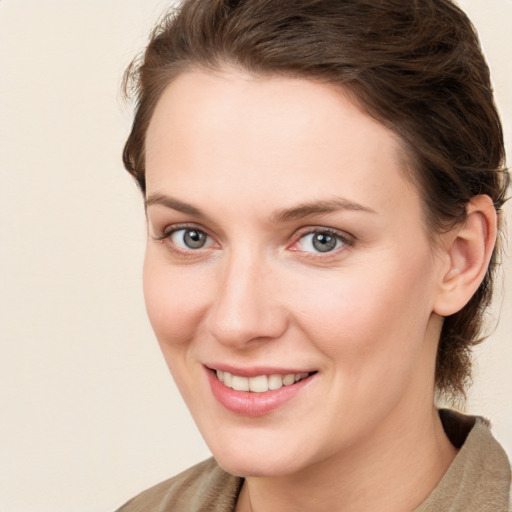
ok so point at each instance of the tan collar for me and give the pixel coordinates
(479, 478)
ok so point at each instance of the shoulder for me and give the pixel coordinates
(205, 486)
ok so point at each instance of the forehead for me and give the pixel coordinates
(254, 135)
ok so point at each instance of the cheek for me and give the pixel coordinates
(360, 315)
(371, 328)
(174, 301)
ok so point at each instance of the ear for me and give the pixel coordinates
(467, 249)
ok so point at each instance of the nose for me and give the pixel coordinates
(246, 307)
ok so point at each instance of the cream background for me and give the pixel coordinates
(89, 414)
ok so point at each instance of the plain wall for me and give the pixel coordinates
(89, 413)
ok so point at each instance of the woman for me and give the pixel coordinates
(322, 181)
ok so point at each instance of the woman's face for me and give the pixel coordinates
(285, 240)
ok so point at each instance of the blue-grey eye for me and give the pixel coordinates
(189, 238)
(320, 241)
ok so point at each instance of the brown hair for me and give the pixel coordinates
(416, 66)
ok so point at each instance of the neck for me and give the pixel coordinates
(394, 470)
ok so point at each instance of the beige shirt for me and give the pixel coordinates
(478, 480)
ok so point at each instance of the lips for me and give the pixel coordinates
(256, 392)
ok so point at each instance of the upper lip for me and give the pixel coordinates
(254, 371)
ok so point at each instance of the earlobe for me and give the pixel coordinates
(469, 249)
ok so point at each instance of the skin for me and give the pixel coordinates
(364, 433)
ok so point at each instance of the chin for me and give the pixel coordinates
(272, 458)
(255, 465)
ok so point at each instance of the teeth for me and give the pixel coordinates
(240, 383)
(261, 383)
(258, 384)
(275, 382)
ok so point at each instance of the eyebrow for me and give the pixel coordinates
(174, 204)
(283, 215)
(318, 207)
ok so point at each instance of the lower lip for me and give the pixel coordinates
(248, 403)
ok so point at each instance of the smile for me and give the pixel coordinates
(258, 392)
(259, 383)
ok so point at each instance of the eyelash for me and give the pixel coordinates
(171, 230)
(345, 239)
